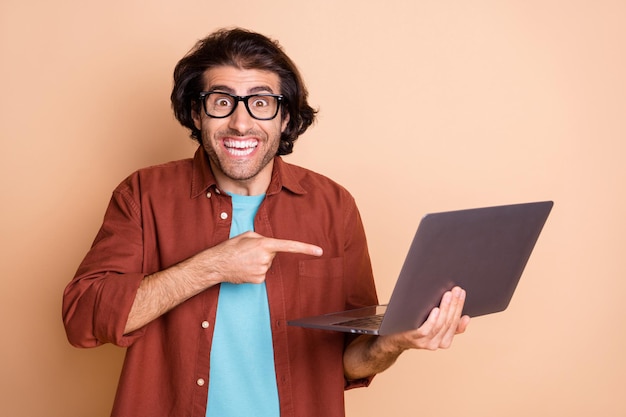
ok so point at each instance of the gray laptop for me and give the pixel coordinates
(482, 250)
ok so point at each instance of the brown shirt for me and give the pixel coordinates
(162, 215)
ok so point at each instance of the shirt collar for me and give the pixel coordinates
(282, 176)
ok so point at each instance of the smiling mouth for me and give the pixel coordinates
(240, 147)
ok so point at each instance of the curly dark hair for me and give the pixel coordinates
(244, 49)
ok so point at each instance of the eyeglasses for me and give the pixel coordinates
(260, 106)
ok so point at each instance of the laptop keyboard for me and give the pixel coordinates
(370, 322)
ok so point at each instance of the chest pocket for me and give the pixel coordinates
(320, 284)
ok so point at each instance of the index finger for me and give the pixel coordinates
(293, 246)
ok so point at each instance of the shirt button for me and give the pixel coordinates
(205, 324)
(200, 382)
(224, 215)
(208, 194)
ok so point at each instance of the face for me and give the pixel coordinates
(241, 149)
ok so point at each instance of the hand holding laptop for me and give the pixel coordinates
(369, 355)
(438, 331)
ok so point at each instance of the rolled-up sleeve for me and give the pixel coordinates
(97, 301)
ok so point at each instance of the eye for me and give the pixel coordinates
(222, 101)
(260, 102)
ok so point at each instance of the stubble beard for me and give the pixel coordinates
(240, 169)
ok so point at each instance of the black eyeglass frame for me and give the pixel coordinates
(203, 95)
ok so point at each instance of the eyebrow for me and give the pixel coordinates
(253, 90)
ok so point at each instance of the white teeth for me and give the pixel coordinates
(240, 144)
(243, 152)
(240, 148)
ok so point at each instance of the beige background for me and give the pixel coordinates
(424, 106)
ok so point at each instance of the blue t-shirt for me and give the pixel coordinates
(242, 379)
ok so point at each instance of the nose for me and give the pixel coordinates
(240, 120)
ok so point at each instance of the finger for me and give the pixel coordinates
(293, 246)
(428, 329)
(457, 303)
(453, 319)
(439, 321)
(452, 304)
(445, 317)
(465, 321)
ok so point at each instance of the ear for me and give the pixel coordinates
(196, 116)
(284, 123)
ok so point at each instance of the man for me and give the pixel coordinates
(200, 263)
